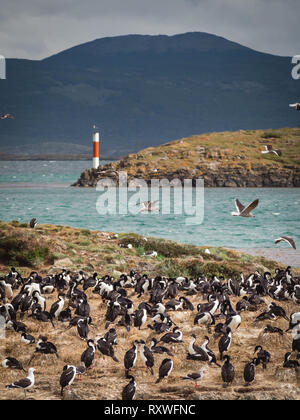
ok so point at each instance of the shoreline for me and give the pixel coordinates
(282, 255)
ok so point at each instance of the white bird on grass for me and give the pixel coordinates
(25, 383)
(195, 376)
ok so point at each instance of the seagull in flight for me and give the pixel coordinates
(149, 206)
(287, 239)
(296, 106)
(269, 149)
(2, 117)
(244, 211)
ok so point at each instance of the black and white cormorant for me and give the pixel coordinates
(33, 223)
(263, 356)
(159, 349)
(172, 337)
(146, 356)
(249, 372)
(87, 357)
(129, 390)
(12, 363)
(140, 318)
(165, 369)
(225, 342)
(83, 328)
(288, 363)
(106, 349)
(227, 371)
(111, 336)
(43, 346)
(67, 377)
(57, 306)
(130, 358)
(27, 338)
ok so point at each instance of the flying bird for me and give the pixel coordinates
(296, 106)
(287, 239)
(149, 206)
(269, 149)
(244, 211)
(2, 117)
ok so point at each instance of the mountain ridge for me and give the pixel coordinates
(145, 90)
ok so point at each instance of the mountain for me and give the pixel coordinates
(143, 91)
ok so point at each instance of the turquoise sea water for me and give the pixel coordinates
(42, 190)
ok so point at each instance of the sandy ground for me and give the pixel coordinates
(288, 256)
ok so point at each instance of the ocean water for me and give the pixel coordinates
(42, 189)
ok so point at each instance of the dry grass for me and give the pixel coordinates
(229, 149)
(106, 380)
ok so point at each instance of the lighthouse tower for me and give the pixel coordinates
(95, 147)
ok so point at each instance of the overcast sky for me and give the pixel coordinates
(36, 29)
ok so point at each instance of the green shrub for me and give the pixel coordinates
(85, 232)
(164, 247)
(85, 243)
(271, 134)
(23, 225)
(14, 251)
(173, 269)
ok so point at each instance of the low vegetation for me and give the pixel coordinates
(49, 247)
(224, 148)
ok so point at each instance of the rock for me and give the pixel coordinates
(70, 395)
(285, 375)
(117, 273)
(65, 262)
(215, 171)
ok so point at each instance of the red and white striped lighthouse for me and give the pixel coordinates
(95, 148)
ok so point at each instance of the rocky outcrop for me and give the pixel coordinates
(222, 176)
(228, 159)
